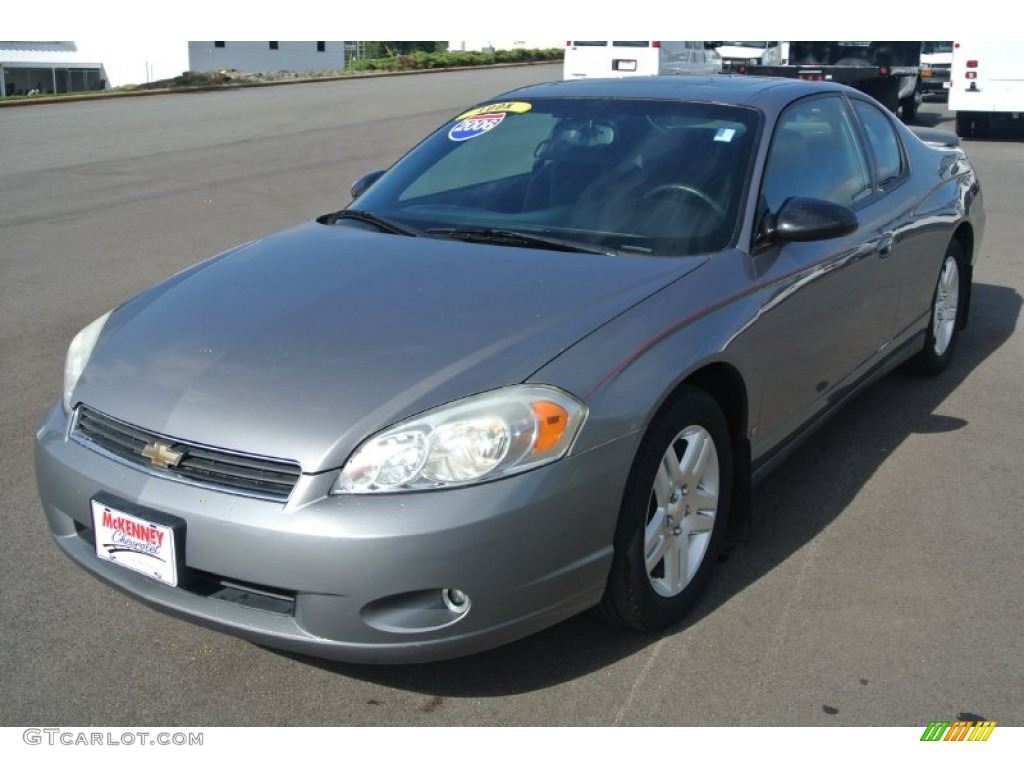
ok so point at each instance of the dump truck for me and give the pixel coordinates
(889, 71)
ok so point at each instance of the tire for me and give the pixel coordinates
(982, 125)
(674, 515)
(945, 321)
(908, 108)
(976, 125)
(965, 124)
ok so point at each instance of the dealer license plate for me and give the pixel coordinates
(135, 543)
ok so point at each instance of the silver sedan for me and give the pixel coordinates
(536, 367)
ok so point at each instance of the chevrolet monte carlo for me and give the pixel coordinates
(535, 367)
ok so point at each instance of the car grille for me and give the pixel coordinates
(233, 472)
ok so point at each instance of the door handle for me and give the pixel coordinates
(885, 245)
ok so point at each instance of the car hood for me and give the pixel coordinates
(302, 344)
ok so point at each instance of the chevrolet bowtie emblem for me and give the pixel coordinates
(161, 455)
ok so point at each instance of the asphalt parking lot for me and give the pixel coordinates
(881, 584)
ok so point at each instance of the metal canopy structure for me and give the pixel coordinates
(47, 67)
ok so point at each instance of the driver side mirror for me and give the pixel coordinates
(364, 182)
(803, 219)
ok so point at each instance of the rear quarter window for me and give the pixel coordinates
(883, 141)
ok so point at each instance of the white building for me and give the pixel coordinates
(47, 67)
(266, 55)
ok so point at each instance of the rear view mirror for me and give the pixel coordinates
(587, 133)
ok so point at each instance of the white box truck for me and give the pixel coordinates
(986, 84)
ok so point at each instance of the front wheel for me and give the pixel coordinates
(944, 326)
(673, 517)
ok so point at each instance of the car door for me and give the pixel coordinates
(697, 61)
(674, 58)
(827, 307)
(702, 60)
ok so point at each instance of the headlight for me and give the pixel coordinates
(78, 355)
(480, 438)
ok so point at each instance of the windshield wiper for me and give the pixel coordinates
(513, 238)
(385, 225)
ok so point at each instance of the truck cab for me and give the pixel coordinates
(936, 61)
(737, 53)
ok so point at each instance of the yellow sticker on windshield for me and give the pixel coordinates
(501, 106)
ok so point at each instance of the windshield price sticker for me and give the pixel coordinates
(479, 120)
(518, 107)
(471, 127)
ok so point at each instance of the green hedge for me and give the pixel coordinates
(422, 60)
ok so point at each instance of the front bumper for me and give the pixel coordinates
(733, 65)
(357, 578)
(935, 80)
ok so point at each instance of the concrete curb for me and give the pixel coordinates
(229, 86)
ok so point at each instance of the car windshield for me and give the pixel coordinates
(623, 175)
(933, 47)
(746, 43)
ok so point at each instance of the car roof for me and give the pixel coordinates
(727, 89)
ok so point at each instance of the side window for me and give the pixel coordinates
(885, 145)
(815, 153)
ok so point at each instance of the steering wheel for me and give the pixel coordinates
(709, 201)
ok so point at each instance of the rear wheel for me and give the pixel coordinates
(982, 125)
(944, 326)
(964, 124)
(908, 107)
(973, 125)
(673, 517)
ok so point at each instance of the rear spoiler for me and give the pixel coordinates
(936, 137)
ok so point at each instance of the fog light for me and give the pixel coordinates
(455, 600)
